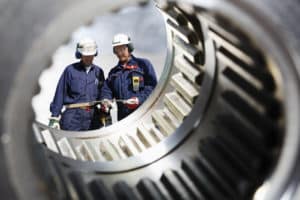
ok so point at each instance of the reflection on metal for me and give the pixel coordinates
(184, 87)
(188, 69)
(49, 140)
(169, 114)
(213, 129)
(177, 105)
(65, 148)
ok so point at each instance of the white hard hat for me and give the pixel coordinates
(87, 47)
(121, 39)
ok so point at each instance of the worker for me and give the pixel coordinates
(80, 82)
(130, 82)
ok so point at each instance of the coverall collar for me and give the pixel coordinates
(132, 64)
(83, 67)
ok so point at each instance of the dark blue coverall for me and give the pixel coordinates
(119, 83)
(77, 86)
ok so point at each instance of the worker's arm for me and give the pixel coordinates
(106, 90)
(107, 94)
(150, 81)
(58, 100)
(101, 79)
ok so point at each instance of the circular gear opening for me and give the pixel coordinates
(216, 127)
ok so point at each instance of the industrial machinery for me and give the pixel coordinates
(223, 122)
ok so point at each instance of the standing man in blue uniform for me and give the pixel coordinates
(130, 82)
(80, 82)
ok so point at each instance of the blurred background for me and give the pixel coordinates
(148, 36)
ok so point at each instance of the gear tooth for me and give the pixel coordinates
(54, 176)
(232, 156)
(176, 186)
(149, 190)
(249, 137)
(80, 186)
(258, 72)
(201, 180)
(216, 176)
(124, 192)
(241, 153)
(220, 162)
(258, 120)
(67, 185)
(100, 191)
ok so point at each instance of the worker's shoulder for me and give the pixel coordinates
(97, 67)
(145, 64)
(77, 66)
(72, 67)
(114, 70)
(143, 61)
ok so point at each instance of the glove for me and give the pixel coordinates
(106, 105)
(54, 122)
(132, 103)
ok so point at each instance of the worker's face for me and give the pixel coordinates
(87, 60)
(122, 52)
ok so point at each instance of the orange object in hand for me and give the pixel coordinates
(132, 103)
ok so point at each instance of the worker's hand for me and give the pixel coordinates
(132, 103)
(54, 122)
(106, 105)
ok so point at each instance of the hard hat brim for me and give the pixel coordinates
(89, 53)
(120, 44)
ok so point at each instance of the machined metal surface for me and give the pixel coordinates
(222, 123)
